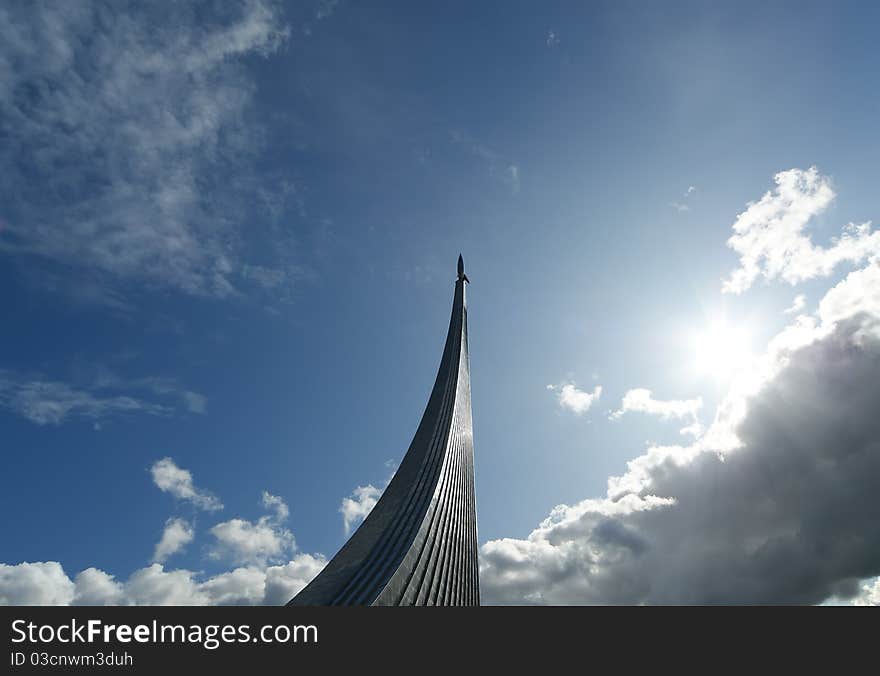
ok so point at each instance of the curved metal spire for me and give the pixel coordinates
(418, 546)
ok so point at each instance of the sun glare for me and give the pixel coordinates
(722, 350)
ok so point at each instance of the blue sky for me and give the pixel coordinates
(228, 234)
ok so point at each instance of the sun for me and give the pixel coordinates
(722, 350)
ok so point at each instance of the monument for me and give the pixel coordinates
(418, 546)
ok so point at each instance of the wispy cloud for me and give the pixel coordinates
(573, 399)
(126, 136)
(500, 168)
(195, 402)
(46, 401)
(682, 205)
(642, 400)
(325, 9)
(797, 305)
(511, 178)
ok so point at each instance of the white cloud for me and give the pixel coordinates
(775, 503)
(552, 39)
(37, 584)
(798, 304)
(96, 588)
(253, 545)
(683, 206)
(246, 542)
(695, 429)
(770, 240)
(47, 584)
(276, 504)
(259, 542)
(242, 586)
(154, 586)
(284, 582)
(358, 505)
(870, 594)
(575, 400)
(641, 400)
(179, 482)
(858, 293)
(175, 536)
(127, 143)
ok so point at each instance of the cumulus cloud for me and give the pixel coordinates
(870, 594)
(776, 503)
(47, 584)
(155, 586)
(38, 584)
(179, 482)
(255, 581)
(284, 582)
(770, 240)
(267, 569)
(277, 505)
(642, 400)
(571, 398)
(94, 587)
(176, 535)
(858, 294)
(242, 586)
(259, 542)
(127, 142)
(358, 505)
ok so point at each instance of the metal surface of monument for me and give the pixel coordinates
(418, 546)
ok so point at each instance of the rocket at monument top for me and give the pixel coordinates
(461, 276)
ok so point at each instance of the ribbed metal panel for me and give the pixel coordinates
(419, 544)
